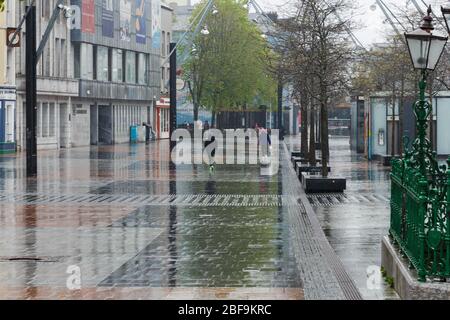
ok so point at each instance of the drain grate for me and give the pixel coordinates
(332, 199)
(196, 200)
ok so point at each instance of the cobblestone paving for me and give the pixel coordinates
(138, 228)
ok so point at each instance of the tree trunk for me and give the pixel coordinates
(304, 131)
(324, 137)
(400, 116)
(312, 138)
(196, 108)
(213, 119)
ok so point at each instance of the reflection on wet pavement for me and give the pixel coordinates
(138, 228)
(356, 221)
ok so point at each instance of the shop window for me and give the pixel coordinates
(130, 67)
(117, 65)
(142, 69)
(84, 61)
(102, 64)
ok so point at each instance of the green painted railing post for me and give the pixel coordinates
(447, 234)
(423, 185)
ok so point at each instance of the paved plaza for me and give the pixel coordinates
(134, 227)
(354, 222)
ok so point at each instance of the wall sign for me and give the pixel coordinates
(125, 20)
(156, 24)
(7, 94)
(9, 38)
(141, 31)
(88, 16)
(108, 18)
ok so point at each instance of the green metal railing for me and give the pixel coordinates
(420, 202)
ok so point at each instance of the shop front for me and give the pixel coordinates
(163, 118)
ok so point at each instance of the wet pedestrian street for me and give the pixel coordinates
(356, 221)
(119, 222)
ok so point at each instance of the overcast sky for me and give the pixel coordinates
(372, 21)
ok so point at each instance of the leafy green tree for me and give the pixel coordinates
(226, 69)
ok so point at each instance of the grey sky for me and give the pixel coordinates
(371, 21)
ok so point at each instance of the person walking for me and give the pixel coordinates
(210, 145)
(264, 145)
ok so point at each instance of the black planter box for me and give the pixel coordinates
(297, 154)
(319, 184)
(302, 167)
(303, 161)
(306, 161)
(384, 159)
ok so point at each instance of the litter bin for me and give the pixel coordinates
(133, 134)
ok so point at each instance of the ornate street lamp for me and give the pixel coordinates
(420, 187)
(425, 48)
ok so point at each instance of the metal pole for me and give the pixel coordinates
(173, 93)
(31, 94)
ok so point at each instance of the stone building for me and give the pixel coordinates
(99, 73)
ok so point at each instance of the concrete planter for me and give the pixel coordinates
(317, 184)
(405, 279)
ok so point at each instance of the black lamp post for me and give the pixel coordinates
(425, 48)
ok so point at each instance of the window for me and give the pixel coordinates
(57, 62)
(142, 69)
(168, 42)
(45, 9)
(9, 130)
(85, 59)
(117, 65)
(39, 119)
(130, 67)
(76, 61)
(44, 121)
(63, 69)
(46, 61)
(102, 64)
(163, 44)
(52, 120)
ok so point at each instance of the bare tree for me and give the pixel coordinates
(317, 58)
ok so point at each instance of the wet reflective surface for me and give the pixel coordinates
(356, 221)
(138, 228)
